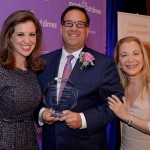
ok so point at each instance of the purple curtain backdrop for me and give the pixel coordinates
(49, 12)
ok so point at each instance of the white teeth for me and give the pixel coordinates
(25, 47)
(71, 34)
(74, 35)
(131, 67)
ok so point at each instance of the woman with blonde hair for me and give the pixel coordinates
(132, 62)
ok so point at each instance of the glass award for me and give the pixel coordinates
(60, 95)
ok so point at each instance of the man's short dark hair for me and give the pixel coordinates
(78, 8)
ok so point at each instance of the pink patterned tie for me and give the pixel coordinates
(67, 68)
(66, 74)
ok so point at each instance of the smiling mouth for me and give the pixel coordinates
(26, 47)
(131, 66)
(73, 35)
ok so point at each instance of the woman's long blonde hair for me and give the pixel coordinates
(145, 72)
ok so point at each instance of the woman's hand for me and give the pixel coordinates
(118, 107)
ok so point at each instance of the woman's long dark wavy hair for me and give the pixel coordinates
(7, 58)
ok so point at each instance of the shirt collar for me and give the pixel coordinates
(75, 54)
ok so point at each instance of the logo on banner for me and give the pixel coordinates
(85, 5)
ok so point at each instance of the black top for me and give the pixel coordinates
(20, 95)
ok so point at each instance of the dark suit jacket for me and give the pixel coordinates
(95, 84)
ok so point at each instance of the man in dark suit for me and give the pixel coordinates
(83, 127)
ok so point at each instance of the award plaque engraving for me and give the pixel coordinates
(61, 95)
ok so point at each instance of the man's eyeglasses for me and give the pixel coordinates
(70, 23)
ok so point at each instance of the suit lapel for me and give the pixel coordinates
(57, 62)
(76, 72)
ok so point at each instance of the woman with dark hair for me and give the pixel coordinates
(20, 93)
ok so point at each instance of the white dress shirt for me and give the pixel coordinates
(62, 64)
